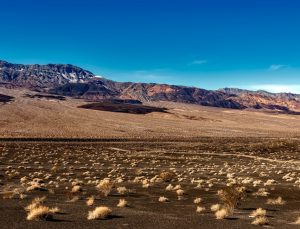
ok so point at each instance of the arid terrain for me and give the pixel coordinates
(155, 165)
(165, 184)
(29, 115)
(138, 114)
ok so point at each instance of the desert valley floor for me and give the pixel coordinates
(28, 116)
(179, 168)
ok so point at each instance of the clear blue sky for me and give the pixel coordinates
(205, 43)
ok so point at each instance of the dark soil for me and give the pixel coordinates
(123, 108)
(40, 96)
(5, 98)
(131, 159)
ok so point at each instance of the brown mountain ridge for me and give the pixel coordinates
(69, 80)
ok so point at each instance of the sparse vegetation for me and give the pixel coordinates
(81, 175)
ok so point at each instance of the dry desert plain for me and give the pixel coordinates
(191, 166)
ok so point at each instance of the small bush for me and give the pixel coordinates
(163, 199)
(122, 203)
(258, 212)
(215, 207)
(197, 200)
(277, 201)
(42, 213)
(105, 186)
(200, 209)
(90, 201)
(260, 220)
(297, 221)
(101, 212)
(222, 213)
(167, 176)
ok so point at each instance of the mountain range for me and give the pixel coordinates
(69, 80)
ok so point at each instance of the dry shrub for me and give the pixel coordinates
(36, 184)
(169, 187)
(277, 201)
(215, 207)
(55, 210)
(122, 203)
(297, 221)
(40, 213)
(197, 200)
(163, 199)
(101, 212)
(200, 209)
(122, 190)
(258, 212)
(35, 203)
(180, 192)
(230, 196)
(260, 220)
(177, 187)
(90, 201)
(222, 213)
(105, 186)
(261, 192)
(76, 189)
(167, 176)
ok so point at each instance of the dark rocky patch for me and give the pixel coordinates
(121, 101)
(41, 96)
(123, 108)
(5, 98)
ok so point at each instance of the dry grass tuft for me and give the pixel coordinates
(222, 213)
(297, 222)
(260, 220)
(90, 201)
(163, 199)
(101, 212)
(258, 212)
(122, 203)
(169, 187)
(167, 176)
(230, 196)
(42, 213)
(200, 209)
(197, 200)
(180, 192)
(105, 186)
(122, 190)
(35, 203)
(261, 192)
(215, 207)
(277, 201)
(76, 189)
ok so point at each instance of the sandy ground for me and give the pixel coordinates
(211, 160)
(33, 117)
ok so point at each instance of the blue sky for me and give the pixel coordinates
(253, 44)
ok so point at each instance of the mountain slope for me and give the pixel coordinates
(41, 76)
(69, 80)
